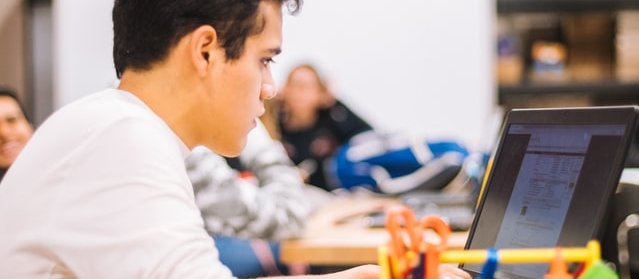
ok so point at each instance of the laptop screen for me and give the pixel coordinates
(549, 185)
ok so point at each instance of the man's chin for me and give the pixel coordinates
(232, 149)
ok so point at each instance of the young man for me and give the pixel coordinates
(15, 129)
(101, 190)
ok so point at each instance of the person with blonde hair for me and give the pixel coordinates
(313, 123)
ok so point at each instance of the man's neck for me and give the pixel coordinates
(164, 94)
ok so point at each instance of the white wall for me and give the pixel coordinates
(423, 67)
(412, 66)
(82, 47)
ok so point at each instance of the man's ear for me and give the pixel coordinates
(203, 47)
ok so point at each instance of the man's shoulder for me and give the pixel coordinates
(110, 114)
(107, 105)
(99, 112)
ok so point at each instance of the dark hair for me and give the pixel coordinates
(8, 92)
(145, 30)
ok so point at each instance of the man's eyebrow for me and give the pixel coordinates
(274, 51)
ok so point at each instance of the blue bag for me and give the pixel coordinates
(396, 164)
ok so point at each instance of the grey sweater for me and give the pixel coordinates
(268, 206)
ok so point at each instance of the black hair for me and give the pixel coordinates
(145, 30)
(8, 92)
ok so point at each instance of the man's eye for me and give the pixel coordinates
(267, 61)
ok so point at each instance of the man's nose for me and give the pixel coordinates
(268, 91)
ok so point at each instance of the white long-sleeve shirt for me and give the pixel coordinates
(101, 191)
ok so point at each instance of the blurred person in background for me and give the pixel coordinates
(313, 123)
(334, 148)
(15, 129)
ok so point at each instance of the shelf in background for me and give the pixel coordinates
(525, 6)
(600, 89)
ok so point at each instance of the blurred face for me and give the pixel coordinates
(238, 88)
(15, 131)
(302, 93)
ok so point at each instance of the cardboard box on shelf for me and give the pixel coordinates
(627, 40)
(509, 70)
(589, 38)
(588, 28)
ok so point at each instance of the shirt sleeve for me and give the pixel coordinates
(230, 205)
(132, 213)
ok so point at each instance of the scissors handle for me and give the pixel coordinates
(439, 226)
(403, 261)
(394, 218)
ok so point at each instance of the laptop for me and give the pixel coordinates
(553, 174)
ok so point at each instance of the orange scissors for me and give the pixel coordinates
(416, 256)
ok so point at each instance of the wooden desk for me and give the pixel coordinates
(328, 241)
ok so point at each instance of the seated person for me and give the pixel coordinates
(15, 129)
(267, 204)
(313, 123)
(101, 190)
(318, 132)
